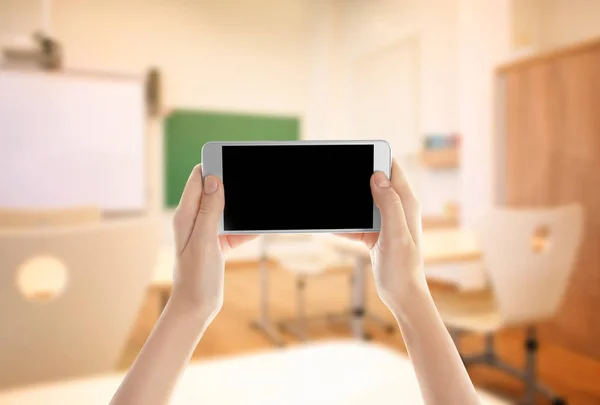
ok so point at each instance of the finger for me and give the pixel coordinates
(393, 221)
(192, 192)
(229, 242)
(358, 237)
(209, 215)
(186, 211)
(368, 238)
(412, 209)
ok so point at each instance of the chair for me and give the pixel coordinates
(21, 218)
(529, 256)
(79, 324)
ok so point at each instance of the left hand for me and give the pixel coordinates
(200, 250)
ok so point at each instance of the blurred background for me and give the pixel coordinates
(491, 107)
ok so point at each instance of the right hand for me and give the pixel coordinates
(395, 250)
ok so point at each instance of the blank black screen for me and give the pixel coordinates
(300, 187)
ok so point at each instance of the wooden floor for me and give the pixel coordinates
(575, 377)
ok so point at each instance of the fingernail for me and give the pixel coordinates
(381, 180)
(210, 184)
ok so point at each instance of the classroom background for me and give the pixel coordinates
(490, 108)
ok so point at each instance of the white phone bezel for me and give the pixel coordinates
(212, 164)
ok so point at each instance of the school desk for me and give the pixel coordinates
(439, 247)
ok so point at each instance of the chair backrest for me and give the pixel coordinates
(81, 326)
(25, 218)
(529, 255)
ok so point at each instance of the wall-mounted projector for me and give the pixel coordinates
(41, 52)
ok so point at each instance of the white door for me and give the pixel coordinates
(386, 102)
(386, 97)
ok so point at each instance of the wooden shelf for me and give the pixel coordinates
(440, 159)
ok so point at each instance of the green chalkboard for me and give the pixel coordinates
(186, 131)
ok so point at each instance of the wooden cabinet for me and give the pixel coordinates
(551, 142)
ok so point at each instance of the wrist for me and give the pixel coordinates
(413, 295)
(181, 307)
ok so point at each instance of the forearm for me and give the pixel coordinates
(163, 358)
(437, 363)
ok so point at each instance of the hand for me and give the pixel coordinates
(400, 281)
(395, 251)
(200, 251)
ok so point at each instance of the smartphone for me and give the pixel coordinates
(297, 186)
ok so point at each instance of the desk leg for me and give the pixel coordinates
(358, 299)
(263, 323)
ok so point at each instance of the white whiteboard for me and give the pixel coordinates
(71, 140)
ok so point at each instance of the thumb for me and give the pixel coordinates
(393, 220)
(212, 203)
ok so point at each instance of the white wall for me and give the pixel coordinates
(484, 44)
(323, 73)
(226, 54)
(539, 25)
(18, 18)
(526, 31)
(569, 21)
